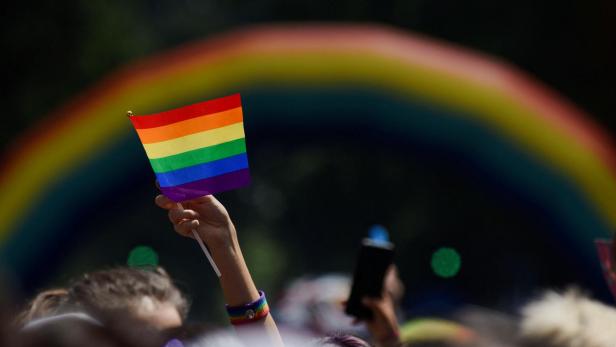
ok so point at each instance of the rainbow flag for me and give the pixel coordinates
(198, 149)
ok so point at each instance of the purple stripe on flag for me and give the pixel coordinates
(212, 185)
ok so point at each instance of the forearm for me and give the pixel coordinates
(239, 289)
(236, 282)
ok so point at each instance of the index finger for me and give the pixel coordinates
(164, 202)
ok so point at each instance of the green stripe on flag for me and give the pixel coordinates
(198, 156)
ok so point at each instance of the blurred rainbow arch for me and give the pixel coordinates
(464, 86)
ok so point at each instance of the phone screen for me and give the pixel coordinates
(372, 263)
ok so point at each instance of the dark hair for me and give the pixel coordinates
(344, 340)
(123, 288)
(46, 303)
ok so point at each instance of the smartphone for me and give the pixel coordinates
(375, 257)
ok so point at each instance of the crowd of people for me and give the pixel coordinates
(127, 306)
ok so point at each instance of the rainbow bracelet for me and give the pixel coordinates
(249, 313)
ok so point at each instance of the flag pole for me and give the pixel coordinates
(195, 234)
(204, 248)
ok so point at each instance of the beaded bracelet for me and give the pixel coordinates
(248, 313)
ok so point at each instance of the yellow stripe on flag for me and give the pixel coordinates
(194, 141)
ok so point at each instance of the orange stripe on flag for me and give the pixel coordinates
(190, 126)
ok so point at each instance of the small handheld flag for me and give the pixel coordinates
(198, 149)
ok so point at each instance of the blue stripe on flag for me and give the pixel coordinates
(202, 171)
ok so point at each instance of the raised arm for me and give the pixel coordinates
(211, 220)
(384, 325)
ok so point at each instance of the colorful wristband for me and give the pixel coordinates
(249, 313)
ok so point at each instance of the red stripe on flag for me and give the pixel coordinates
(186, 112)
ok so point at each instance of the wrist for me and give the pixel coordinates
(220, 238)
(249, 312)
(226, 251)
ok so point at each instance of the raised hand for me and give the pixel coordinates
(206, 215)
(384, 325)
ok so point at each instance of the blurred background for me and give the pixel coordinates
(477, 146)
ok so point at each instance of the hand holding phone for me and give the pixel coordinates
(375, 258)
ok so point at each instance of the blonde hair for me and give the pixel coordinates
(125, 288)
(107, 291)
(46, 303)
(569, 320)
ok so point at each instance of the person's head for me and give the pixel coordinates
(342, 340)
(78, 329)
(568, 320)
(149, 295)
